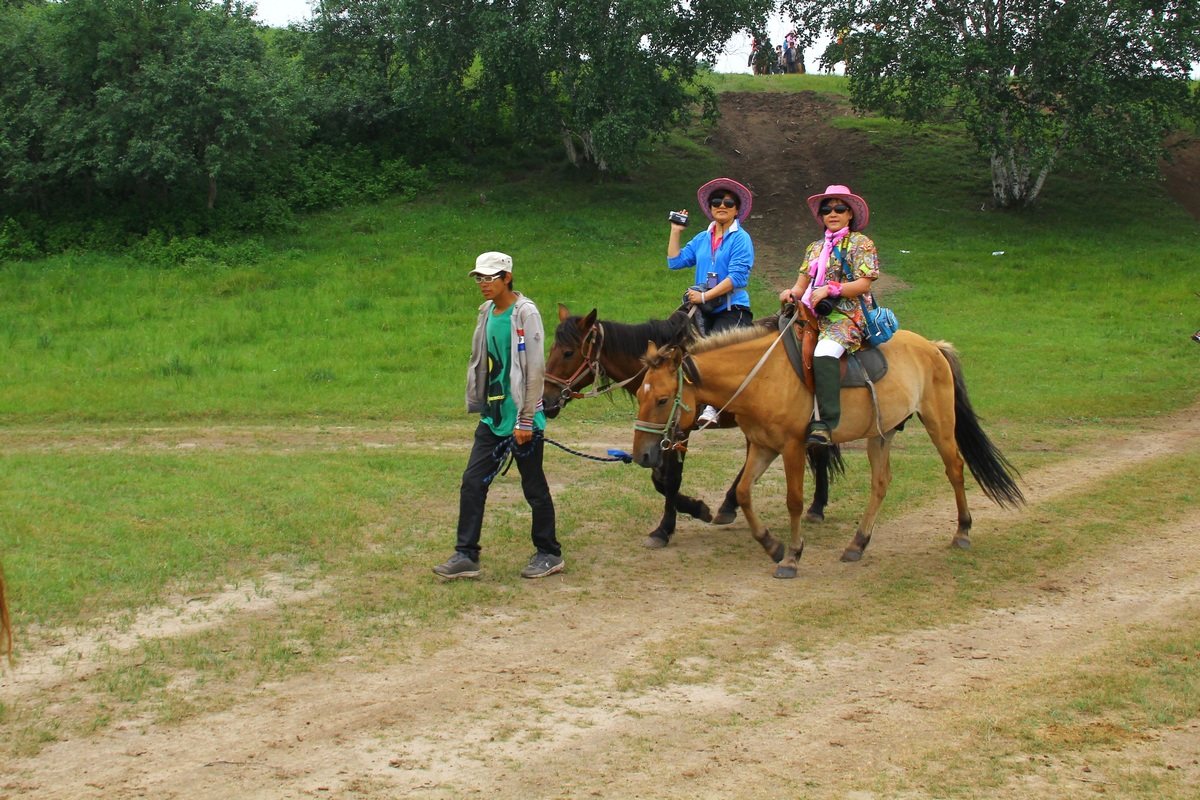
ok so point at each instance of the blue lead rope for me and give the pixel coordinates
(507, 450)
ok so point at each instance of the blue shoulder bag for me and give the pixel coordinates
(881, 322)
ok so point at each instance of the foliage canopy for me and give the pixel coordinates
(1105, 81)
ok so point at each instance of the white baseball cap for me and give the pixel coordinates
(492, 263)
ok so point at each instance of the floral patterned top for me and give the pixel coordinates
(846, 325)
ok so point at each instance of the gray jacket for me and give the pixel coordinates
(527, 367)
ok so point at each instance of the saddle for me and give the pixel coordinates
(861, 369)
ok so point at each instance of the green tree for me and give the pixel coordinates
(388, 72)
(121, 98)
(1035, 81)
(603, 77)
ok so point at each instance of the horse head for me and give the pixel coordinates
(571, 365)
(664, 412)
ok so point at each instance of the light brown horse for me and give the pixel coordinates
(773, 410)
(6, 639)
(587, 351)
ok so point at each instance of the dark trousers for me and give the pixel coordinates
(473, 495)
(735, 317)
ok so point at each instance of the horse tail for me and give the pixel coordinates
(828, 459)
(6, 638)
(991, 470)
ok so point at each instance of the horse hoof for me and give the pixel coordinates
(851, 556)
(704, 515)
(814, 516)
(962, 542)
(778, 553)
(655, 542)
(724, 518)
(785, 572)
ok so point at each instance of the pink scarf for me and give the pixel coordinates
(816, 269)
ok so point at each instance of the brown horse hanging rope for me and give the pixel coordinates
(773, 410)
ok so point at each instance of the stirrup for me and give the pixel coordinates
(819, 436)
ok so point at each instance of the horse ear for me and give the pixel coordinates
(682, 335)
(651, 351)
(588, 321)
(563, 313)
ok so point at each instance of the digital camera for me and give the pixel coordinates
(678, 217)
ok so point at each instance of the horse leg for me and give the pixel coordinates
(757, 461)
(666, 480)
(727, 513)
(941, 432)
(793, 469)
(686, 504)
(879, 453)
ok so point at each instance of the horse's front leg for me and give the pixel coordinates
(757, 461)
(879, 453)
(667, 480)
(793, 470)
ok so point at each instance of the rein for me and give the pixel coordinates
(593, 344)
(754, 371)
(507, 450)
(669, 429)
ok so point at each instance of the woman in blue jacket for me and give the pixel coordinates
(722, 256)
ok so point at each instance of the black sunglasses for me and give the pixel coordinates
(838, 209)
(728, 202)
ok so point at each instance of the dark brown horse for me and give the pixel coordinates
(774, 406)
(587, 351)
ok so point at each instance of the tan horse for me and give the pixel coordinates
(774, 407)
(6, 639)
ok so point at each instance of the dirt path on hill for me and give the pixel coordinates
(524, 705)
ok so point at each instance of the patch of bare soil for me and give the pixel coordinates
(1182, 175)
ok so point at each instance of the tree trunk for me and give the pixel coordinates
(212, 192)
(568, 140)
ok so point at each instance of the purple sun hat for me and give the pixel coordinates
(745, 199)
(840, 192)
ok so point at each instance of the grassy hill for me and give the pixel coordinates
(365, 312)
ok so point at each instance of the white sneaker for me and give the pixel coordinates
(709, 416)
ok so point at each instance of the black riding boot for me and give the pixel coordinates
(827, 374)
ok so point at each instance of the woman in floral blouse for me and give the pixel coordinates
(837, 269)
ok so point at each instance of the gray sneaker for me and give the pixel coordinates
(457, 566)
(541, 565)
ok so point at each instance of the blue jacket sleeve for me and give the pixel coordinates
(687, 254)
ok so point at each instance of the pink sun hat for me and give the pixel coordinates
(843, 193)
(745, 199)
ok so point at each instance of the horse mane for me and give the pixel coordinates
(761, 327)
(626, 339)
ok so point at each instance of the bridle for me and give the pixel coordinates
(591, 347)
(669, 430)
